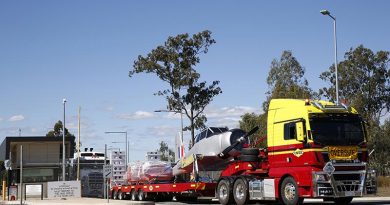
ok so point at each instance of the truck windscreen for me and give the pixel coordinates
(336, 129)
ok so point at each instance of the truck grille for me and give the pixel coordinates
(347, 177)
(348, 187)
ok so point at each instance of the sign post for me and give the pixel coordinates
(107, 174)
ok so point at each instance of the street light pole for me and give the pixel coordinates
(63, 144)
(126, 147)
(327, 13)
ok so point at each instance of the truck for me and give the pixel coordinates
(314, 149)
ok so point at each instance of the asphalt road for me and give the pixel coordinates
(92, 201)
(361, 201)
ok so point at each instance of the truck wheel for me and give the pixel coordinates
(343, 201)
(120, 195)
(248, 158)
(141, 195)
(133, 195)
(224, 193)
(289, 192)
(250, 151)
(240, 192)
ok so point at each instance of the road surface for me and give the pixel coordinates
(93, 201)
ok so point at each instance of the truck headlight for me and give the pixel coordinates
(371, 174)
(321, 178)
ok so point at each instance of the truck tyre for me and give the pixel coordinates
(240, 192)
(141, 195)
(224, 192)
(289, 192)
(343, 201)
(133, 195)
(248, 158)
(250, 151)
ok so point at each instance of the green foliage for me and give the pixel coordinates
(166, 152)
(249, 121)
(57, 132)
(174, 63)
(380, 143)
(286, 80)
(364, 81)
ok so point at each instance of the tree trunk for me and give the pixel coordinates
(192, 129)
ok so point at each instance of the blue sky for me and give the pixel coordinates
(83, 50)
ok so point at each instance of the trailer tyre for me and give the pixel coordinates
(343, 201)
(141, 195)
(240, 192)
(120, 195)
(248, 158)
(133, 195)
(250, 151)
(114, 195)
(224, 192)
(289, 192)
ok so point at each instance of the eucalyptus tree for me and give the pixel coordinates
(174, 63)
(286, 80)
(364, 81)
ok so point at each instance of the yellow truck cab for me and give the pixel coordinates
(320, 148)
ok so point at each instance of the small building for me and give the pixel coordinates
(153, 156)
(117, 160)
(42, 158)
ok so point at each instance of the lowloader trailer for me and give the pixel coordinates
(315, 149)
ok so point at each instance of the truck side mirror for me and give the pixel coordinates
(300, 132)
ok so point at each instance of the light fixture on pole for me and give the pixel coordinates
(63, 144)
(327, 13)
(127, 151)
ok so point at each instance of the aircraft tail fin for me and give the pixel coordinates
(179, 147)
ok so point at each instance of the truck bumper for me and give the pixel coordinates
(353, 183)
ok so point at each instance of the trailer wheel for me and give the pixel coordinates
(133, 195)
(250, 151)
(224, 193)
(248, 158)
(343, 201)
(289, 192)
(114, 195)
(240, 192)
(141, 195)
(120, 195)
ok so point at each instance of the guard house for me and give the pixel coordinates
(42, 158)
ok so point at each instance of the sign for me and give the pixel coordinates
(63, 189)
(33, 190)
(298, 153)
(107, 171)
(343, 152)
(7, 164)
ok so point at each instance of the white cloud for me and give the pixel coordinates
(235, 111)
(139, 115)
(1, 119)
(16, 118)
(163, 131)
(109, 108)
